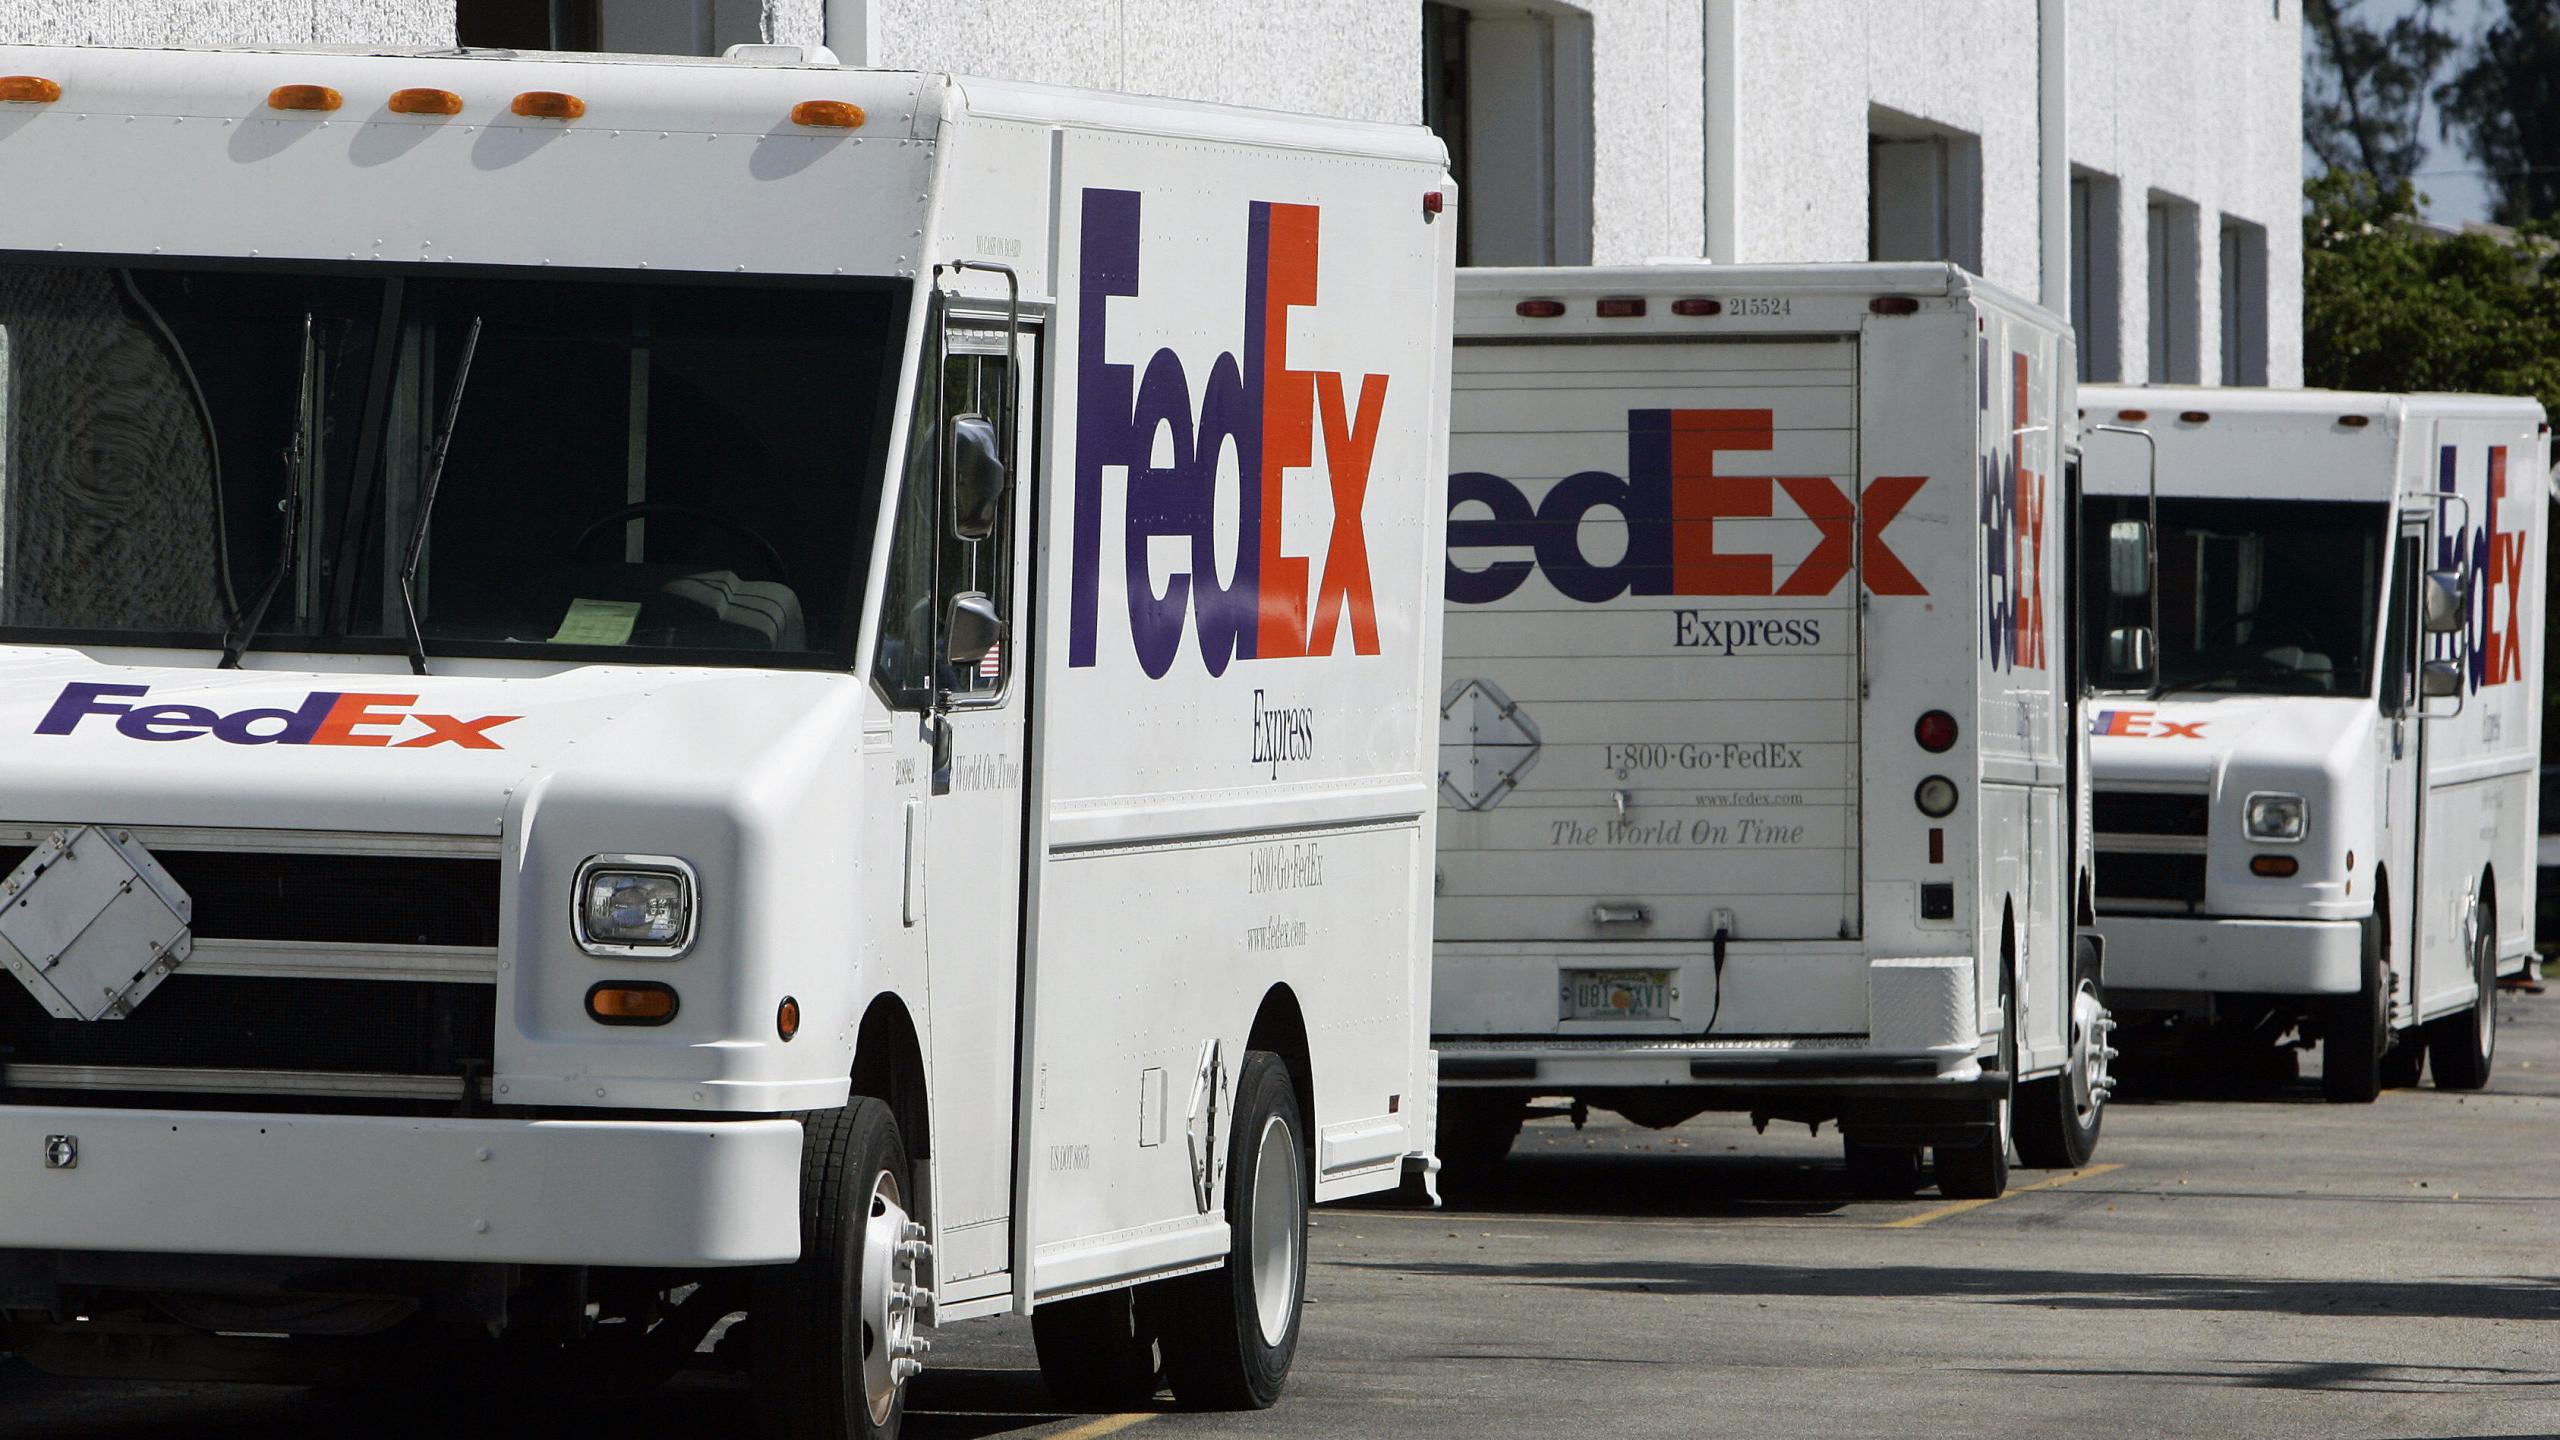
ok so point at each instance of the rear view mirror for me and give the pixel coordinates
(2129, 559)
(2129, 650)
(2440, 680)
(2447, 598)
(975, 628)
(977, 477)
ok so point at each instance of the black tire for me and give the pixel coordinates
(2464, 1045)
(1978, 1169)
(1220, 1349)
(810, 1339)
(2405, 1061)
(1883, 1172)
(2058, 1118)
(1477, 1131)
(2358, 1030)
(1098, 1352)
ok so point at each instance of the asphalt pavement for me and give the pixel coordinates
(2234, 1263)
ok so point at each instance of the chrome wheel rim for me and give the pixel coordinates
(2484, 1015)
(1276, 1216)
(2090, 1054)
(887, 1319)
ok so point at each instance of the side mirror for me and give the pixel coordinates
(2129, 559)
(2440, 680)
(2447, 598)
(2129, 650)
(977, 477)
(974, 629)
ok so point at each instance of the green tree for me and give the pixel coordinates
(2366, 86)
(2504, 106)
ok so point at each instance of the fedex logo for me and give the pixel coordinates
(2495, 650)
(1671, 498)
(2013, 507)
(325, 717)
(2144, 725)
(1272, 605)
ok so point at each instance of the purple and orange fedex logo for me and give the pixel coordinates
(2144, 725)
(1255, 403)
(325, 717)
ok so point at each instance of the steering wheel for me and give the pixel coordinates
(629, 513)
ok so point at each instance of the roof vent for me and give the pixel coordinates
(781, 55)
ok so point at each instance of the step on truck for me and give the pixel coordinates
(2316, 746)
(639, 693)
(1758, 758)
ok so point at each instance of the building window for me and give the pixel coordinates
(1924, 191)
(2173, 274)
(1509, 92)
(2244, 302)
(627, 27)
(2097, 274)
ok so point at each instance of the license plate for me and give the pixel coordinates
(1617, 994)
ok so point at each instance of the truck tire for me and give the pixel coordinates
(1477, 1131)
(1229, 1334)
(1097, 1352)
(2358, 1030)
(830, 1329)
(1882, 1172)
(1978, 1169)
(2462, 1045)
(2058, 1117)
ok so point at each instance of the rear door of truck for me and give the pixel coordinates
(1649, 722)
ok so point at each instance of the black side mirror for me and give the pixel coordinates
(977, 477)
(974, 629)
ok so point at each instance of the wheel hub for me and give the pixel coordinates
(2092, 1030)
(1276, 1187)
(894, 1251)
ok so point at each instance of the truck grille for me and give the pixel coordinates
(2148, 812)
(2150, 878)
(330, 898)
(357, 972)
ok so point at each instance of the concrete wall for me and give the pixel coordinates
(388, 23)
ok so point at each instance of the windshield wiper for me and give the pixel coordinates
(297, 465)
(427, 501)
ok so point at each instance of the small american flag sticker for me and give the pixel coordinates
(991, 665)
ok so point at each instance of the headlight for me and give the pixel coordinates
(2276, 817)
(635, 905)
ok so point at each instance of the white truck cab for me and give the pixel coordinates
(635, 690)
(1760, 770)
(2315, 775)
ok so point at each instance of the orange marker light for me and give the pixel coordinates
(304, 97)
(2274, 867)
(2133, 417)
(2194, 417)
(2355, 422)
(631, 1002)
(28, 90)
(786, 1018)
(828, 114)
(548, 105)
(425, 102)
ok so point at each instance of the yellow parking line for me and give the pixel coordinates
(1107, 1425)
(1942, 1212)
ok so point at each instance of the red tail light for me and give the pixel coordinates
(1936, 732)
(1539, 309)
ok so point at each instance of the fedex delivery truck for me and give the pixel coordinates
(640, 692)
(2316, 777)
(1758, 758)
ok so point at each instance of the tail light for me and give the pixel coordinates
(1936, 732)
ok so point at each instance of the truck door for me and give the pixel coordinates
(1649, 718)
(964, 823)
(2400, 760)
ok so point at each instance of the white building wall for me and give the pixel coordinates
(389, 23)
(1648, 115)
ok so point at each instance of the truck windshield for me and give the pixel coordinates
(2257, 597)
(668, 471)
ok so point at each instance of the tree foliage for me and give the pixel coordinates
(2367, 87)
(2504, 105)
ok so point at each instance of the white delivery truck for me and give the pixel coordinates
(2316, 779)
(635, 691)
(1758, 749)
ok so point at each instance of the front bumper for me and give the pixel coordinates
(2233, 957)
(552, 1192)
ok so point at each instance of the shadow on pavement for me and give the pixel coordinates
(1619, 1184)
(955, 1403)
(2490, 1298)
(2334, 1377)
